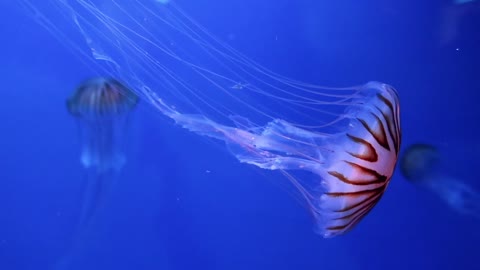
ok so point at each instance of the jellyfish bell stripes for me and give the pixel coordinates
(101, 97)
(362, 164)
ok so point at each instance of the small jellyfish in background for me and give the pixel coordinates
(102, 107)
(423, 166)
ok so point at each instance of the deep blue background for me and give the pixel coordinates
(183, 202)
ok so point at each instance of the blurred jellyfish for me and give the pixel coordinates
(101, 107)
(422, 165)
(338, 146)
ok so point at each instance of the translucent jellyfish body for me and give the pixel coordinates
(101, 107)
(338, 146)
(423, 166)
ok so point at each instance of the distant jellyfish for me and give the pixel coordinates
(338, 146)
(422, 165)
(102, 107)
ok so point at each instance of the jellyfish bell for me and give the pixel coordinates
(102, 106)
(346, 138)
(101, 97)
(419, 161)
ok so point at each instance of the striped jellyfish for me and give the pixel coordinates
(351, 168)
(423, 166)
(101, 107)
(337, 146)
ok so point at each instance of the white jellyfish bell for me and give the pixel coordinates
(423, 166)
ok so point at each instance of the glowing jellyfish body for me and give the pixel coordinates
(422, 165)
(102, 107)
(338, 146)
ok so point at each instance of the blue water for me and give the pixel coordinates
(183, 202)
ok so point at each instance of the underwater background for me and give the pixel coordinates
(183, 202)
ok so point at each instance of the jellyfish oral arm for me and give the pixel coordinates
(252, 147)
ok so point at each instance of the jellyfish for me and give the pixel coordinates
(101, 107)
(338, 146)
(422, 165)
